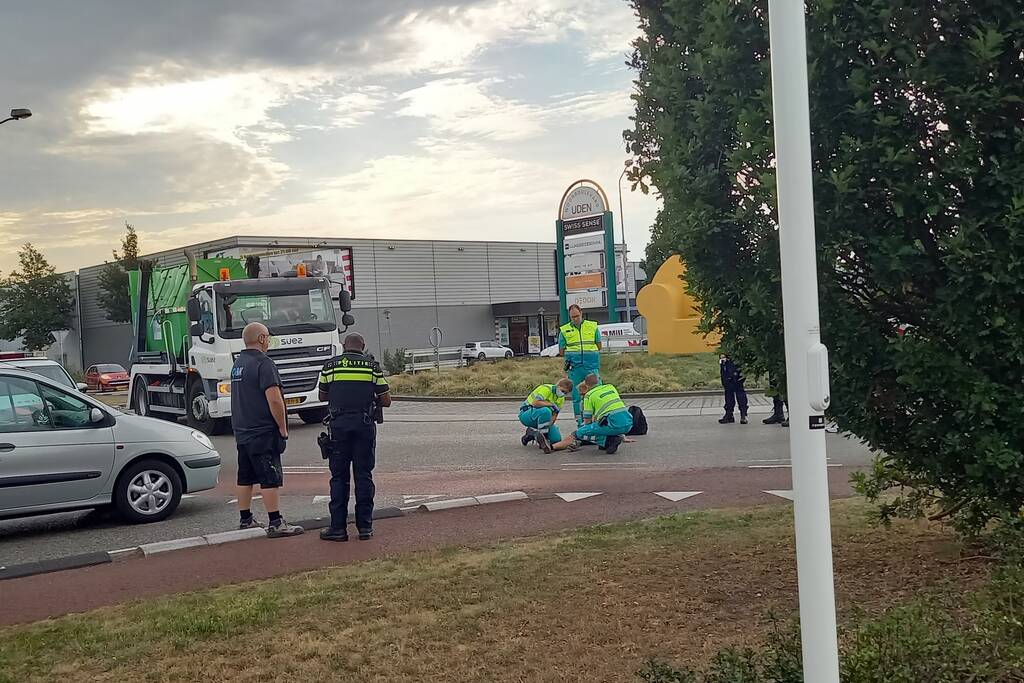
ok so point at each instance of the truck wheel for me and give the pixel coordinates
(141, 399)
(148, 491)
(197, 412)
(314, 416)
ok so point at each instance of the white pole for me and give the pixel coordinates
(806, 363)
(625, 249)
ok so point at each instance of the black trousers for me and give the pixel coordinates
(355, 441)
(735, 393)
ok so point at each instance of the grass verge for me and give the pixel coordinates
(629, 372)
(590, 605)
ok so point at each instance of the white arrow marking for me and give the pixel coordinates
(676, 496)
(572, 497)
(788, 495)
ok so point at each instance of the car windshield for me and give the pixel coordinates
(110, 368)
(282, 313)
(53, 372)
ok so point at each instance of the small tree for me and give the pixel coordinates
(113, 294)
(36, 301)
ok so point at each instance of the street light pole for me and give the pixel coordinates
(625, 249)
(806, 357)
(17, 115)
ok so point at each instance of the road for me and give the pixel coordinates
(431, 451)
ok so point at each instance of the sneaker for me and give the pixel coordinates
(612, 444)
(574, 446)
(283, 529)
(365, 534)
(543, 443)
(528, 437)
(784, 423)
(329, 534)
(251, 523)
(773, 419)
(743, 419)
(727, 420)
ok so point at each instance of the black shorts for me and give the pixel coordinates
(259, 462)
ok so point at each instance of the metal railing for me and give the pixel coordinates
(417, 360)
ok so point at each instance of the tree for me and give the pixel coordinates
(36, 301)
(113, 295)
(918, 152)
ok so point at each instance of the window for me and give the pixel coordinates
(21, 407)
(283, 312)
(54, 372)
(110, 367)
(66, 411)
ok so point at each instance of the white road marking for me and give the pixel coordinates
(321, 499)
(777, 467)
(420, 498)
(788, 495)
(235, 500)
(598, 462)
(676, 496)
(572, 497)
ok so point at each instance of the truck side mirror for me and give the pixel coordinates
(347, 320)
(196, 330)
(344, 301)
(195, 314)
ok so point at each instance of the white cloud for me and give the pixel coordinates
(462, 107)
(355, 108)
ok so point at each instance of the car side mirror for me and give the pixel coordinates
(195, 314)
(196, 330)
(82, 386)
(344, 301)
(96, 416)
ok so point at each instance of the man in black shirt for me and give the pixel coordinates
(353, 384)
(260, 421)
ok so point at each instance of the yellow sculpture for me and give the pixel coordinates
(671, 313)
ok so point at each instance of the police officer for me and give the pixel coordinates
(579, 341)
(735, 392)
(354, 387)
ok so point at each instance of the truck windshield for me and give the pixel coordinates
(282, 313)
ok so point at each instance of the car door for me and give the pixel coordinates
(91, 377)
(50, 452)
(490, 349)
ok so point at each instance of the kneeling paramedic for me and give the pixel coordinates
(606, 418)
(356, 391)
(539, 412)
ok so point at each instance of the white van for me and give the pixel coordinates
(614, 337)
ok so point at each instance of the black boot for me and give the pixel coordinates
(773, 419)
(528, 437)
(611, 444)
(743, 419)
(726, 420)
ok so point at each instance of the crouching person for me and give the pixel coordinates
(539, 412)
(606, 418)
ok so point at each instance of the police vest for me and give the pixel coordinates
(351, 382)
(604, 400)
(545, 392)
(580, 338)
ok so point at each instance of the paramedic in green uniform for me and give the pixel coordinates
(605, 416)
(539, 412)
(579, 341)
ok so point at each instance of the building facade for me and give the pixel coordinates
(401, 289)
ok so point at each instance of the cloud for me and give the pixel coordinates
(353, 109)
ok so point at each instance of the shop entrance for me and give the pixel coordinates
(518, 336)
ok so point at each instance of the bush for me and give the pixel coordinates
(394, 361)
(916, 146)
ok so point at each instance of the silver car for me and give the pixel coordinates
(61, 450)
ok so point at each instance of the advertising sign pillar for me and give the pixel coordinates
(586, 268)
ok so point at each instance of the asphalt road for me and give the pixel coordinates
(429, 451)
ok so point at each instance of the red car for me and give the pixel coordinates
(106, 377)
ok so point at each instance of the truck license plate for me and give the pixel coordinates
(294, 401)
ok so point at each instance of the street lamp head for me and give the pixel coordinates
(18, 114)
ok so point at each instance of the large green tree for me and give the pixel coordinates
(917, 116)
(34, 301)
(113, 278)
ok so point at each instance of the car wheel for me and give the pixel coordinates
(508, 354)
(147, 491)
(197, 412)
(314, 416)
(482, 356)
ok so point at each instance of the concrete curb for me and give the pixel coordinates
(452, 503)
(148, 549)
(505, 399)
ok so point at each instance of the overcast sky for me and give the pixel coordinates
(392, 118)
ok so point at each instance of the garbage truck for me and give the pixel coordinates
(188, 321)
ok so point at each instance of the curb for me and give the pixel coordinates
(148, 549)
(437, 505)
(505, 399)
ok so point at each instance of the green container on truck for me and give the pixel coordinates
(166, 327)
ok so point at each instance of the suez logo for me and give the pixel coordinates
(279, 342)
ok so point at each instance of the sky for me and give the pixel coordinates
(198, 119)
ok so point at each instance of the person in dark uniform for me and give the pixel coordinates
(354, 386)
(260, 421)
(732, 382)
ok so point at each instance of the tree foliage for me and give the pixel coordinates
(34, 301)
(113, 279)
(917, 116)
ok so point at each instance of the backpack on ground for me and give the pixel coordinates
(639, 422)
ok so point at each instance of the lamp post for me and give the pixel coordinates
(17, 115)
(806, 357)
(543, 334)
(625, 249)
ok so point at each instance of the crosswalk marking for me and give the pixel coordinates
(572, 497)
(788, 495)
